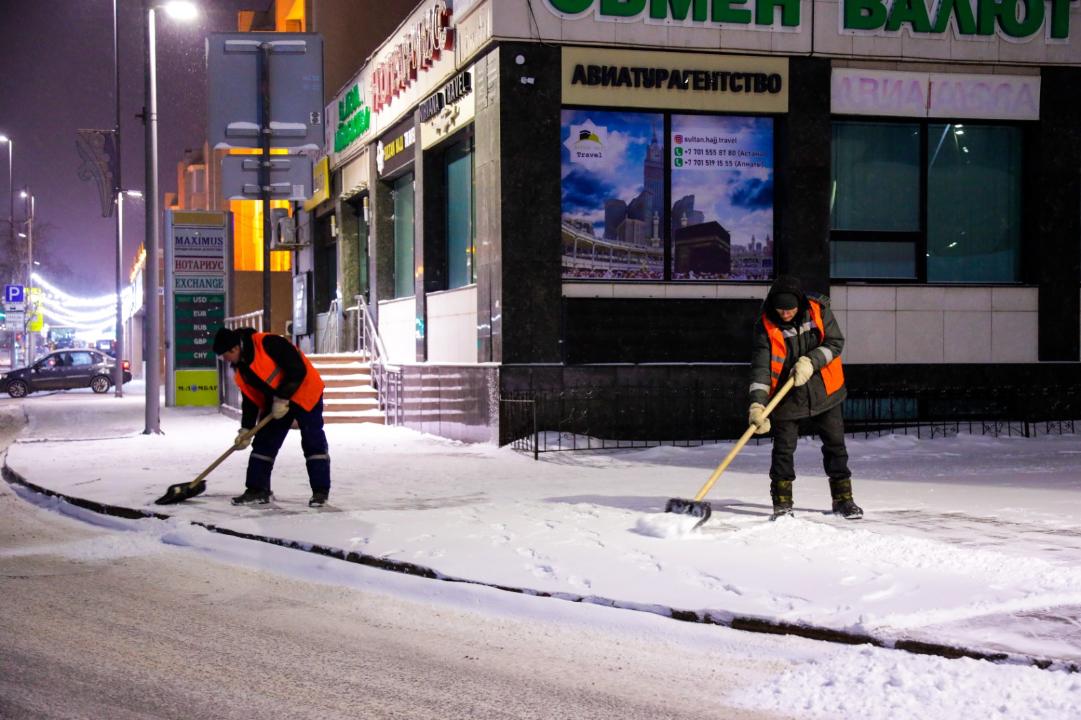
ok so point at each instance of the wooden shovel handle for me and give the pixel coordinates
(743, 441)
(232, 448)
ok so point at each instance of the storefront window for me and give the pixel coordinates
(876, 176)
(973, 203)
(403, 236)
(461, 214)
(933, 202)
(660, 196)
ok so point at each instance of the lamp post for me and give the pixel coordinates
(5, 140)
(29, 334)
(179, 10)
(118, 347)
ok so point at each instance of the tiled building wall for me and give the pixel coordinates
(934, 325)
(452, 325)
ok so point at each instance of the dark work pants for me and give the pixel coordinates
(830, 427)
(313, 441)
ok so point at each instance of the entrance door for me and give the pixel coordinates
(325, 258)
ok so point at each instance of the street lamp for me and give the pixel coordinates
(179, 10)
(29, 334)
(5, 140)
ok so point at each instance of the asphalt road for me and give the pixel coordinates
(174, 634)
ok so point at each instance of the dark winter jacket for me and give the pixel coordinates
(284, 354)
(801, 337)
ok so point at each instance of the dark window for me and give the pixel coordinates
(403, 195)
(461, 214)
(925, 201)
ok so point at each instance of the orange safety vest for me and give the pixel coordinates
(832, 374)
(264, 367)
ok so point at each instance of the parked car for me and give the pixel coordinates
(63, 370)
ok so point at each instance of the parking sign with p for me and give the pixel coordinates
(14, 295)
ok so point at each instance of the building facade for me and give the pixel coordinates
(588, 200)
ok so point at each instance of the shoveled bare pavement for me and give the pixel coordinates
(175, 634)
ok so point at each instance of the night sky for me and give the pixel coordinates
(56, 76)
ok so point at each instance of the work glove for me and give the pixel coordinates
(802, 370)
(243, 439)
(757, 416)
(279, 408)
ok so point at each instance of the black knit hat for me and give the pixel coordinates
(225, 340)
(784, 301)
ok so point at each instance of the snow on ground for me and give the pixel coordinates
(970, 540)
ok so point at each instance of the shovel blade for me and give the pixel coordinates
(181, 492)
(694, 508)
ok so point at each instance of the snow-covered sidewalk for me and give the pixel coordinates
(970, 541)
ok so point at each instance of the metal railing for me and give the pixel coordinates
(386, 377)
(228, 392)
(329, 337)
(637, 417)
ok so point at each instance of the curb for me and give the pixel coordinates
(705, 617)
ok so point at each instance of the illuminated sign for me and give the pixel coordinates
(391, 151)
(418, 48)
(629, 78)
(354, 119)
(450, 93)
(711, 12)
(973, 18)
(861, 91)
(970, 19)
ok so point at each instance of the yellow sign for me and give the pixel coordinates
(36, 322)
(678, 81)
(196, 388)
(320, 183)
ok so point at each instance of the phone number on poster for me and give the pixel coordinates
(709, 162)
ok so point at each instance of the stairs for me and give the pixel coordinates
(349, 396)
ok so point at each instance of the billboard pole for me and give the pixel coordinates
(264, 171)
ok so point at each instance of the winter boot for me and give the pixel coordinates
(781, 493)
(251, 496)
(319, 499)
(843, 504)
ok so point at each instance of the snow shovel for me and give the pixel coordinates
(698, 507)
(182, 491)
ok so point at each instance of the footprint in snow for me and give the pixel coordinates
(542, 570)
(530, 554)
(644, 561)
(711, 582)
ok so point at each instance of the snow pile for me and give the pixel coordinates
(877, 684)
(667, 525)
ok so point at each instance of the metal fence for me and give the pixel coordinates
(637, 417)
